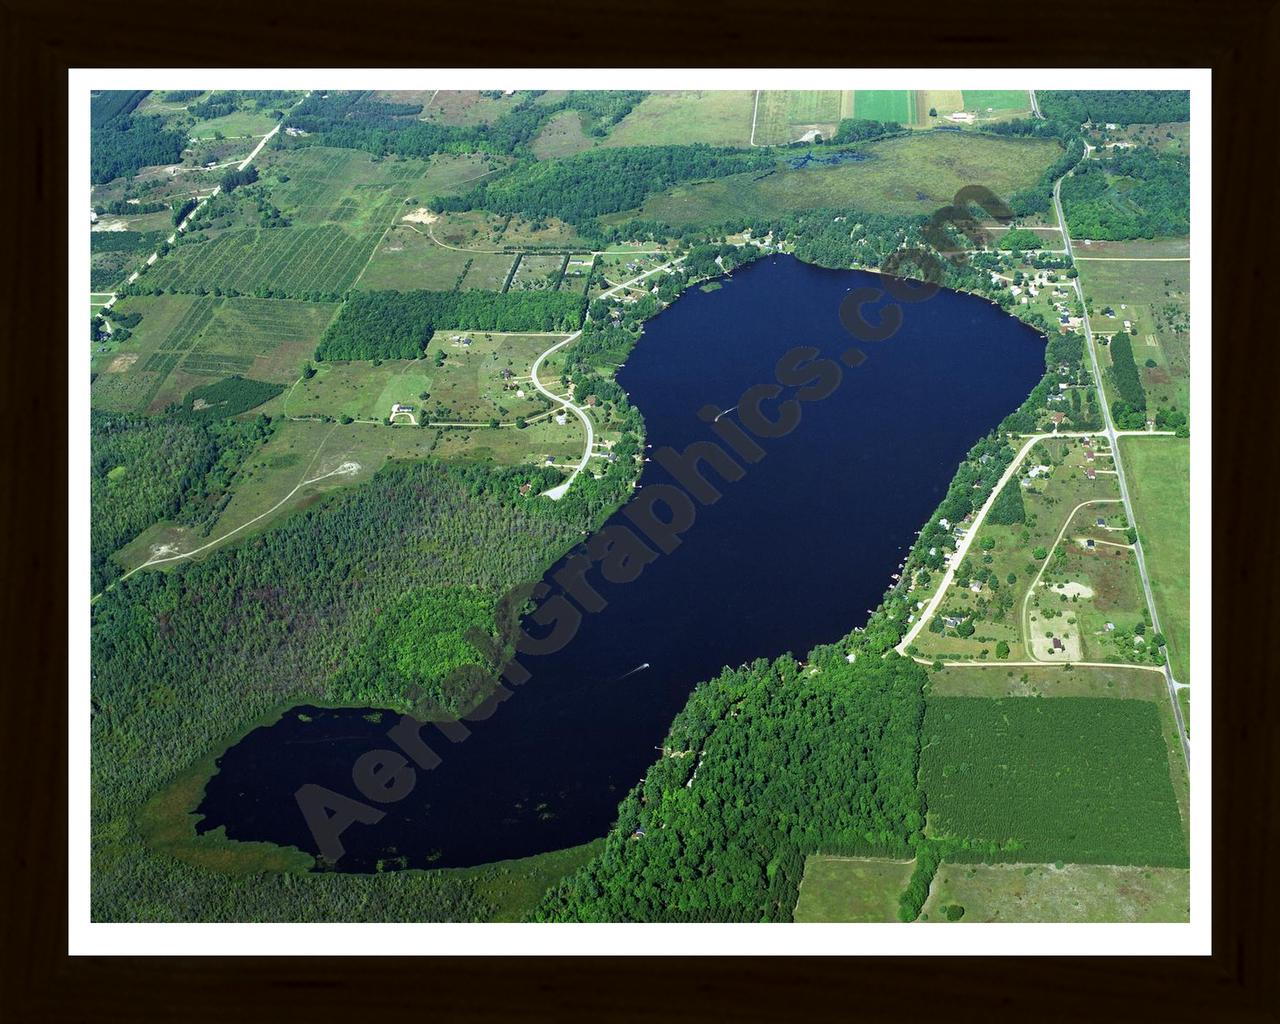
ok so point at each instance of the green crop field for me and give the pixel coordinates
(1068, 893)
(914, 175)
(1158, 471)
(885, 105)
(782, 116)
(851, 889)
(981, 101)
(1073, 779)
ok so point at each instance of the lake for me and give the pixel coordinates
(794, 555)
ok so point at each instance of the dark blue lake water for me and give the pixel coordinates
(793, 555)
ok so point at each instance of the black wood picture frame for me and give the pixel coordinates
(42, 40)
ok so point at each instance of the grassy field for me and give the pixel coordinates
(467, 387)
(1159, 477)
(236, 125)
(991, 101)
(407, 259)
(717, 117)
(783, 117)
(1073, 778)
(913, 175)
(562, 135)
(1155, 298)
(465, 107)
(1067, 893)
(851, 889)
(944, 101)
(1047, 681)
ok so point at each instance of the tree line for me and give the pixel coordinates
(1119, 106)
(398, 325)
(580, 188)
(764, 765)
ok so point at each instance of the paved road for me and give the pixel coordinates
(216, 189)
(1035, 107)
(1171, 684)
(963, 547)
(558, 492)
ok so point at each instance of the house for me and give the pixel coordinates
(1110, 626)
(398, 409)
(561, 418)
(505, 373)
(591, 399)
(952, 620)
(1089, 543)
(1058, 417)
(1100, 522)
(1091, 474)
(976, 587)
(1057, 644)
(551, 460)
(1088, 453)
(525, 489)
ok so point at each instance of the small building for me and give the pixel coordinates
(1110, 626)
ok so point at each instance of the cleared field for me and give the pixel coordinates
(275, 336)
(994, 101)
(537, 273)
(1069, 893)
(944, 101)
(488, 272)
(468, 386)
(236, 125)
(1074, 779)
(1155, 297)
(1159, 478)
(783, 117)
(295, 261)
(467, 107)
(885, 105)
(509, 446)
(716, 117)
(913, 175)
(346, 185)
(851, 889)
(359, 390)
(1048, 681)
(1140, 248)
(407, 259)
(561, 136)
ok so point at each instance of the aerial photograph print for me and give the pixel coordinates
(599, 504)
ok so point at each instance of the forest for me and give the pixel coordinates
(284, 611)
(1119, 106)
(225, 398)
(144, 469)
(122, 143)
(765, 764)
(1137, 193)
(580, 188)
(398, 325)
(855, 129)
(1129, 409)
